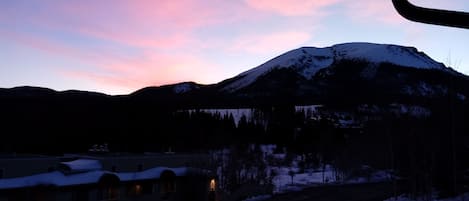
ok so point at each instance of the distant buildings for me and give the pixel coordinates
(106, 176)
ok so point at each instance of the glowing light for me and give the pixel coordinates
(212, 185)
(138, 189)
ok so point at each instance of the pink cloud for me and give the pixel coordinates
(292, 7)
(274, 42)
(120, 73)
(162, 35)
(153, 71)
(141, 24)
(146, 23)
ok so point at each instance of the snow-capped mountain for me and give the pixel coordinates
(345, 80)
(307, 61)
(358, 72)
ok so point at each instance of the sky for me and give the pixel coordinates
(119, 46)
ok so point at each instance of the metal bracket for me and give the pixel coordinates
(431, 16)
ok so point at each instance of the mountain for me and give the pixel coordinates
(307, 61)
(350, 105)
(358, 72)
(362, 78)
(361, 72)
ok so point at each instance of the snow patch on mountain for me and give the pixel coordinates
(307, 61)
(183, 87)
(411, 110)
(379, 53)
(396, 109)
(425, 89)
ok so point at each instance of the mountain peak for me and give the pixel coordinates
(307, 61)
(379, 53)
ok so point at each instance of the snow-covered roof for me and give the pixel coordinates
(58, 178)
(82, 165)
(55, 178)
(153, 173)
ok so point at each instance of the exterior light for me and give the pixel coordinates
(212, 185)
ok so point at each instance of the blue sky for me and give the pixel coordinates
(119, 46)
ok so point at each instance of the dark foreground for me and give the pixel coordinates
(350, 192)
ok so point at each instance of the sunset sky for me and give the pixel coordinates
(119, 46)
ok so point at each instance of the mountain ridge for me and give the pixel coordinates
(309, 60)
(49, 119)
(307, 71)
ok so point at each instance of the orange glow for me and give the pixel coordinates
(212, 185)
(138, 189)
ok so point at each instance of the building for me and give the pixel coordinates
(99, 177)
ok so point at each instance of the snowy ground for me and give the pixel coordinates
(313, 177)
(258, 198)
(463, 197)
(283, 181)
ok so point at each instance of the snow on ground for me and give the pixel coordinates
(283, 181)
(259, 198)
(375, 176)
(308, 110)
(281, 165)
(313, 177)
(463, 197)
